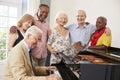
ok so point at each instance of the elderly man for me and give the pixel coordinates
(40, 52)
(19, 64)
(80, 32)
(99, 39)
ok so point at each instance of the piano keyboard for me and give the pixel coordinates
(65, 72)
(57, 72)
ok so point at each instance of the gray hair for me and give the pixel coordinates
(82, 11)
(59, 14)
(104, 19)
(33, 30)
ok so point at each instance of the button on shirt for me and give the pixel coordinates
(41, 50)
(81, 34)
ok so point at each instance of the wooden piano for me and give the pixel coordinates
(92, 65)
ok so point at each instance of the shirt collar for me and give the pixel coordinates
(26, 45)
(36, 17)
(84, 26)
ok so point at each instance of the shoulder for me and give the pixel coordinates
(91, 27)
(53, 31)
(72, 25)
(17, 50)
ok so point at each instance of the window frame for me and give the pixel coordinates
(18, 5)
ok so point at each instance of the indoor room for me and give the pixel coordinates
(12, 10)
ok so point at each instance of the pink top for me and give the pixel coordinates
(41, 50)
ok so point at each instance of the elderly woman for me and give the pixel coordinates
(23, 24)
(59, 40)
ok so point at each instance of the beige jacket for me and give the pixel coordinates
(18, 66)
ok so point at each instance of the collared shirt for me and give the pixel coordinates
(26, 46)
(81, 34)
(41, 50)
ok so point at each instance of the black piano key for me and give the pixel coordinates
(65, 72)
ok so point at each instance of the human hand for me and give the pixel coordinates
(51, 68)
(49, 32)
(53, 52)
(13, 29)
(87, 23)
(53, 77)
(108, 31)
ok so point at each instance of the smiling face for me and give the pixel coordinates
(26, 24)
(43, 13)
(81, 17)
(62, 19)
(100, 23)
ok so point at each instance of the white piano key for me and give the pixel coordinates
(57, 72)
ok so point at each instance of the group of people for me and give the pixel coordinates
(30, 39)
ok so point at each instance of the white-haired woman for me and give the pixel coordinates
(59, 40)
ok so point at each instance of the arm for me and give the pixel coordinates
(98, 47)
(48, 33)
(108, 31)
(20, 71)
(51, 50)
(13, 29)
(50, 42)
(42, 70)
(103, 42)
(12, 39)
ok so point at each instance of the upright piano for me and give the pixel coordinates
(92, 65)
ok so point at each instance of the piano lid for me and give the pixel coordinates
(111, 53)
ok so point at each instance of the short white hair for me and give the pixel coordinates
(82, 11)
(59, 14)
(33, 30)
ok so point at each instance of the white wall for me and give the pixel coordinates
(94, 8)
(33, 6)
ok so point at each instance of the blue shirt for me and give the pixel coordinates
(81, 34)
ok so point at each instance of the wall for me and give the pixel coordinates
(33, 6)
(94, 8)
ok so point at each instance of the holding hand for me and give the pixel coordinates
(51, 68)
(53, 52)
(13, 29)
(108, 31)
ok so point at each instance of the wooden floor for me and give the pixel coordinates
(2, 68)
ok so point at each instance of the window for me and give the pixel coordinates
(8, 17)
